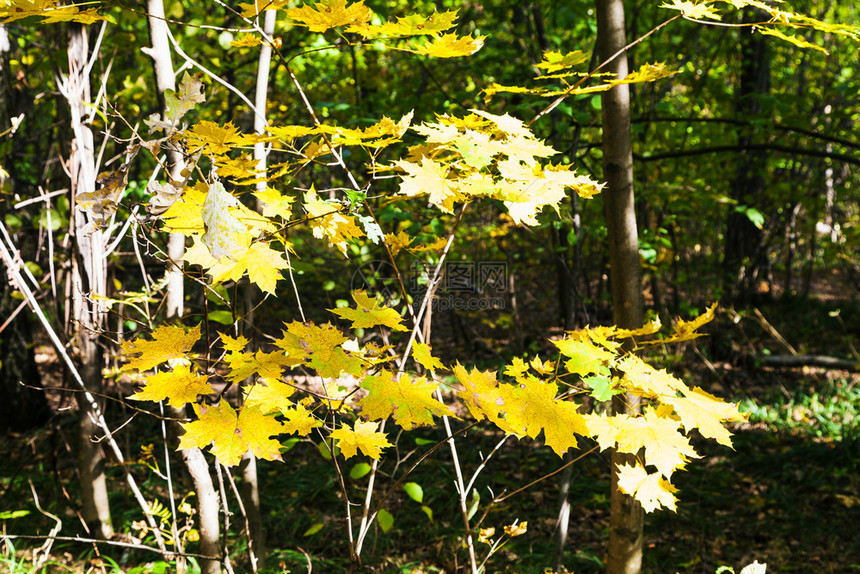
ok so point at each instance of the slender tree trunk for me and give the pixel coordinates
(744, 256)
(250, 486)
(21, 407)
(88, 283)
(208, 525)
(162, 64)
(626, 515)
(198, 467)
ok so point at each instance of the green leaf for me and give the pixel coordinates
(473, 504)
(326, 449)
(415, 492)
(223, 317)
(755, 216)
(13, 222)
(601, 387)
(34, 268)
(359, 470)
(424, 441)
(10, 514)
(313, 529)
(428, 511)
(55, 219)
(385, 520)
(288, 444)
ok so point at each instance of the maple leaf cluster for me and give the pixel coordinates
(460, 160)
(268, 410)
(536, 399)
(356, 18)
(487, 155)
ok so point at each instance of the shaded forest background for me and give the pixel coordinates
(747, 193)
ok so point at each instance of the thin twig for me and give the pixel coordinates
(135, 546)
(45, 550)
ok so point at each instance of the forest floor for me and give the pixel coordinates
(788, 495)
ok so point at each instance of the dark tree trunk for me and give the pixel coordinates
(745, 260)
(21, 407)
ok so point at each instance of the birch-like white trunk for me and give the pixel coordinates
(88, 283)
(208, 508)
(626, 515)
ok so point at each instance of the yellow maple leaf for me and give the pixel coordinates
(198, 254)
(300, 420)
(702, 410)
(319, 347)
(451, 46)
(218, 139)
(531, 407)
(685, 330)
(179, 386)
(648, 329)
(555, 61)
(398, 242)
(243, 365)
(327, 14)
(183, 216)
(429, 178)
(262, 263)
(482, 396)
(695, 10)
(665, 447)
(326, 220)
(369, 313)
(233, 434)
(644, 379)
(601, 429)
(364, 437)
(167, 343)
(517, 368)
(289, 133)
(49, 10)
(212, 422)
(246, 41)
(251, 9)
(542, 367)
(421, 352)
(241, 170)
(273, 203)
(651, 490)
(410, 25)
(796, 40)
(507, 123)
(270, 395)
(409, 400)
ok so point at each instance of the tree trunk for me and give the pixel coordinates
(88, 283)
(744, 256)
(208, 525)
(162, 64)
(21, 407)
(208, 508)
(626, 515)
